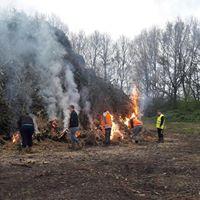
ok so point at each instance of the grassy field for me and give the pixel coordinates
(128, 171)
(176, 127)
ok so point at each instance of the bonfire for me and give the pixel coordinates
(135, 107)
(116, 134)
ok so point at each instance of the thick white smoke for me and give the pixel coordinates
(29, 48)
(86, 104)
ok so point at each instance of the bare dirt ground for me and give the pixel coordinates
(126, 171)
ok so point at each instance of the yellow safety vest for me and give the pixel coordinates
(159, 121)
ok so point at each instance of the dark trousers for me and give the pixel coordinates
(136, 131)
(160, 135)
(108, 133)
(26, 133)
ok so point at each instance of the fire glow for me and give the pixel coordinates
(135, 108)
(15, 137)
(115, 132)
(135, 101)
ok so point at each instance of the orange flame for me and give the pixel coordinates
(135, 101)
(78, 134)
(15, 137)
(135, 108)
(115, 132)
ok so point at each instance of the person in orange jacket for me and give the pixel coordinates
(107, 123)
(136, 125)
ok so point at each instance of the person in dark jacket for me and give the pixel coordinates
(26, 128)
(73, 125)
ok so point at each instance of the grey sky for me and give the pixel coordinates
(116, 17)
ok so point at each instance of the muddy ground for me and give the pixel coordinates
(126, 171)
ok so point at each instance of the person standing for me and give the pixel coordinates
(136, 125)
(26, 128)
(73, 125)
(160, 124)
(107, 121)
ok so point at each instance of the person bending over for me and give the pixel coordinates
(26, 128)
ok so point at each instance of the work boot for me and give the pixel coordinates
(29, 150)
(80, 145)
(160, 140)
(73, 147)
(69, 146)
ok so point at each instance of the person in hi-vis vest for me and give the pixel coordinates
(136, 126)
(107, 119)
(160, 125)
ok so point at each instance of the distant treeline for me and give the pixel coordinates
(163, 62)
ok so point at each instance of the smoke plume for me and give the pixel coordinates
(32, 61)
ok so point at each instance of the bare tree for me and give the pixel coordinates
(121, 64)
(164, 63)
(79, 42)
(106, 53)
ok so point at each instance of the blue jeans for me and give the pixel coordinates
(108, 133)
(73, 137)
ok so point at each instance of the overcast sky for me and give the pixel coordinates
(115, 17)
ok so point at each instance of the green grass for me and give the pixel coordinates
(175, 127)
(183, 116)
(183, 127)
(185, 111)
